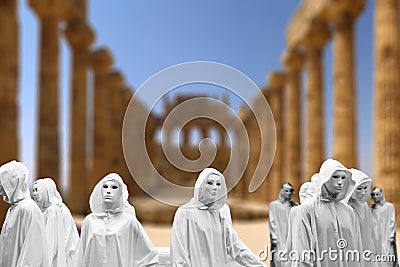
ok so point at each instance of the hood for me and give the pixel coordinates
(358, 178)
(96, 199)
(307, 191)
(14, 179)
(327, 169)
(199, 196)
(47, 192)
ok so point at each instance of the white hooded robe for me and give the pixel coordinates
(201, 237)
(384, 227)
(325, 221)
(114, 238)
(62, 234)
(23, 233)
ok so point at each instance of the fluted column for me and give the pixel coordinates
(101, 60)
(126, 94)
(254, 138)
(343, 15)
(276, 81)
(115, 82)
(387, 99)
(293, 62)
(80, 37)
(50, 13)
(9, 88)
(315, 147)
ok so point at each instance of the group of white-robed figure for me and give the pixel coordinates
(41, 232)
(333, 226)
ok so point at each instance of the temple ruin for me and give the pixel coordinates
(96, 144)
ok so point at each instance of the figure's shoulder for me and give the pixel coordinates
(54, 209)
(185, 212)
(274, 203)
(89, 218)
(29, 206)
(309, 205)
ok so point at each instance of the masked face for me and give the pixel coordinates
(212, 187)
(35, 193)
(337, 181)
(287, 191)
(360, 191)
(110, 191)
(2, 191)
(376, 195)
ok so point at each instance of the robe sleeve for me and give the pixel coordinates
(225, 213)
(82, 242)
(34, 249)
(303, 238)
(55, 235)
(145, 253)
(71, 238)
(237, 249)
(273, 225)
(180, 256)
(391, 225)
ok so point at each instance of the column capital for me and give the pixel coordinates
(60, 9)
(276, 79)
(317, 36)
(115, 78)
(101, 59)
(340, 9)
(79, 33)
(292, 59)
(127, 91)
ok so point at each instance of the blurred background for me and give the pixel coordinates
(328, 69)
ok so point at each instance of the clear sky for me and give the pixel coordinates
(145, 37)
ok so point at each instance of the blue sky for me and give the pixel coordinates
(145, 37)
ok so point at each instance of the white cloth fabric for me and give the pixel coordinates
(225, 213)
(23, 233)
(306, 193)
(114, 237)
(324, 221)
(62, 234)
(363, 215)
(278, 222)
(384, 227)
(201, 237)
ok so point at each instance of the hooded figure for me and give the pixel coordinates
(384, 226)
(201, 236)
(306, 193)
(111, 236)
(325, 223)
(23, 233)
(62, 234)
(278, 218)
(357, 199)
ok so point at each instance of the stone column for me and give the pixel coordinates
(80, 37)
(254, 138)
(50, 13)
(315, 148)
(115, 82)
(9, 88)
(276, 81)
(293, 62)
(386, 100)
(101, 61)
(126, 94)
(343, 15)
